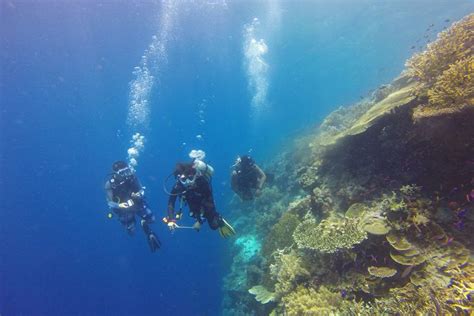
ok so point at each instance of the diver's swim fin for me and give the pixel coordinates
(153, 242)
(225, 229)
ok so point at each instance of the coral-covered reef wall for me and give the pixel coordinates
(373, 212)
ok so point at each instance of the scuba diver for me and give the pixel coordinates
(125, 197)
(193, 186)
(247, 178)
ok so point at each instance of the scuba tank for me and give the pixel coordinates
(203, 169)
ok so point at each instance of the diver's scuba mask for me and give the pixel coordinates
(187, 181)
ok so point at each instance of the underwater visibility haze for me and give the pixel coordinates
(358, 113)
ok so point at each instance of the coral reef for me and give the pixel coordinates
(373, 212)
(262, 295)
(287, 270)
(444, 71)
(308, 301)
(277, 238)
(330, 235)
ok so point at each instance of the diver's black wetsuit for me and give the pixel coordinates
(122, 192)
(200, 201)
(245, 181)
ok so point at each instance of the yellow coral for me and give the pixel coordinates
(330, 235)
(382, 272)
(262, 295)
(452, 45)
(286, 270)
(308, 301)
(455, 86)
(277, 238)
(445, 70)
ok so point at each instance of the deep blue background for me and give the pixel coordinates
(65, 73)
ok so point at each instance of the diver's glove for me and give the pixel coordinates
(127, 204)
(138, 195)
(225, 229)
(170, 222)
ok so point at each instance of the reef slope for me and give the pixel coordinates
(372, 213)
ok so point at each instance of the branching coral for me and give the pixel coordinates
(445, 70)
(455, 86)
(330, 235)
(452, 45)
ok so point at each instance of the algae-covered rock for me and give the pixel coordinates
(382, 272)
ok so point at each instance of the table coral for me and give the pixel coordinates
(330, 235)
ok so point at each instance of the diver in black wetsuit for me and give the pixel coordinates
(125, 197)
(193, 187)
(247, 178)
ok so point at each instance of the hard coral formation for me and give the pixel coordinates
(287, 270)
(280, 234)
(382, 272)
(308, 301)
(445, 70)
(330, 235)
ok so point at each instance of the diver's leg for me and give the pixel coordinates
(147, 218)
(128, 221)
(210, 213)
(215, 220)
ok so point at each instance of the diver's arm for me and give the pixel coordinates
(261, 177)
(137, 189)
(233, 181)
(172, 200)
(110, 196)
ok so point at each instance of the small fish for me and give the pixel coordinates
(453, 205)
(447, 20)
(343, 293)
(449, 240)
(462, 213)
(407, 271)
(470, 196)
(459, 225)
(413, 47)
(438, 237)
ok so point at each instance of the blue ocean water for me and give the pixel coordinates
(66, 69)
